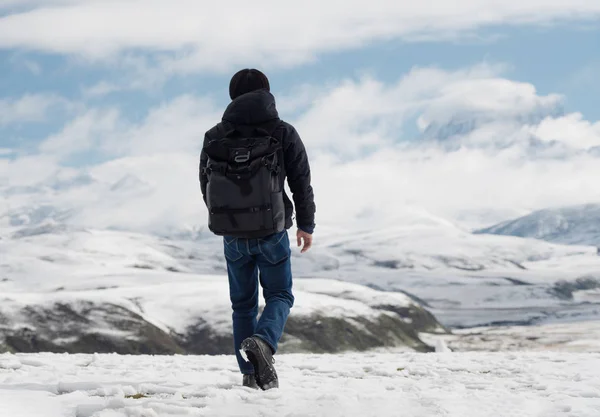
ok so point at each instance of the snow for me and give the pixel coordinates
(372, 384)
(353, 293)
(588, 296)
(173, 285)
(422, 241)
(441, 346)
(465, 279)
(179, 305)
(563, 336)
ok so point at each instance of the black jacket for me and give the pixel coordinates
(257, 109)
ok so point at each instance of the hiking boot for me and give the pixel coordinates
(259, 354)
(250, 381)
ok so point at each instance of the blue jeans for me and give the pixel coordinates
(248, 260)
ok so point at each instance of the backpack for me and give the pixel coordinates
(244, 192)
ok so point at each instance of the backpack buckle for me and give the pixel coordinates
(242, 158)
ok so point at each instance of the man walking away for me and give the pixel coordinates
(243, 166)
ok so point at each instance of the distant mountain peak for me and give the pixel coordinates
(455, 128)
(575, 225)
(36, 215)
(129, 182)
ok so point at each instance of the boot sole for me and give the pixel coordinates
(252, 351)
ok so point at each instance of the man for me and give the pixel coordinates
(243, 166)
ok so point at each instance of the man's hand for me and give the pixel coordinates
(304, 240)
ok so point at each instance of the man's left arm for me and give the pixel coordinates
(298, 174)
(202, 175)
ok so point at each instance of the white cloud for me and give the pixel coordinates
(364, 174)
(571, 129)
(188, 35)
(82, 133)
(585, 77)
(4, 4)
(357, 116)
(22, 62)
(101, 88)
(501, 97)
(448, 184)
(27, 170)
(167, 195)
(5, 151)
(28, 108)
(175, 126)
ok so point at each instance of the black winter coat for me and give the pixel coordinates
(257, 109)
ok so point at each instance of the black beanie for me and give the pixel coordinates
(247, 80)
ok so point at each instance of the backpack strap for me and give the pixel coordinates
(269, 131)
(272, 131)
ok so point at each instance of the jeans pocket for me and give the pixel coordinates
(232, 254)
(275, 248)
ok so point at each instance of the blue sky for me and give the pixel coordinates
(556, 59)
(107, 90)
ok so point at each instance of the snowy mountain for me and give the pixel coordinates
(74, 289)
(79, 201)
(576, 225)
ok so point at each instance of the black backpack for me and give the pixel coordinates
(244, 192)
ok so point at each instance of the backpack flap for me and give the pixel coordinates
(244, 195)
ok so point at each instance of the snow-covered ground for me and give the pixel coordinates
(90, 291)
(400, 384)
(565, 336)
(465, 280)
(68, 282)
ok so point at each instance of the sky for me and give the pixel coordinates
(474, 111)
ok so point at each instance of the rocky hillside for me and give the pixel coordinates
(67, 290)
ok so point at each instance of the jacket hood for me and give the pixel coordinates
(252, 108)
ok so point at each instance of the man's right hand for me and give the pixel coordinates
(305, 240)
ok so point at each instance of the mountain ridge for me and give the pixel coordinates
(571, 225)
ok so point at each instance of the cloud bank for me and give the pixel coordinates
(486, 148)
(29, 108)
(184, 36)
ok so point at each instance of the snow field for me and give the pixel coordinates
(370, 384)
